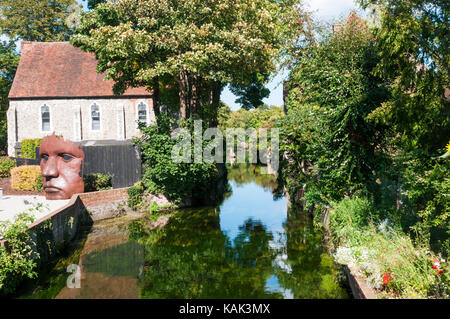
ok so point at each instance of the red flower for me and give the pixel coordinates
(439, 271)
(436, 264)
(386, 278)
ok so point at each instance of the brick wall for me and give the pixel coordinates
(96, 198)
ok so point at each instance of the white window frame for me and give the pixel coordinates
(49, 118)
(90, 117)
(147, 120)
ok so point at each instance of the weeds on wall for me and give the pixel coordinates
(18, 260)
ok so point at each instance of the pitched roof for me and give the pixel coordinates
(58, 69)
(353, 20)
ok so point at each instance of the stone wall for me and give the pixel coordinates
(357, 284)
(55, 230)
(71, 118)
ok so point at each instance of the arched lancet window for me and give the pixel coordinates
(95, 116)
(45, 118)
(142, 113)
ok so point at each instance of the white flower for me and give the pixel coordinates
(385, 227)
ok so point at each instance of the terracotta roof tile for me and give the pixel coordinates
(58, 69)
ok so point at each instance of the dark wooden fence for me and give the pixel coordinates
(25, 161)
(121, 159)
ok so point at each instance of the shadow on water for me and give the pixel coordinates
(250, 246)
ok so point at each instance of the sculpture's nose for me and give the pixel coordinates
(50, 169)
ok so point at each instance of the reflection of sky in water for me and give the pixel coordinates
(273, 285)
(252, 201)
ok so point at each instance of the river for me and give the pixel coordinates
(249, 246)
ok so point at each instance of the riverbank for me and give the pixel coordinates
(382, 261)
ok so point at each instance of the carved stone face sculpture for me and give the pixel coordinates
(62, 164)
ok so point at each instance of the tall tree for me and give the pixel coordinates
(36, 20)
(9, 60)
(413, 41)
(199, 45)
(330, 144)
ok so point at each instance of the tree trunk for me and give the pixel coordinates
(183, 95)
(156, 104)
(215, 100)
(194, 95)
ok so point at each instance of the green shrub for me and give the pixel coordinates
(26, 178)
(17, 260)
(161, 175)
(6, 164)
(347, 216)
(135, 196)
(28, 147)
(97, 182)
(425, 210)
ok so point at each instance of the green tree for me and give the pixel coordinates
(330, 144)
(93, 3)
(9, 60)
(251, 96)
(198, 46)
(263, 117)
(177, 181)
(36, 20)
(413, 41)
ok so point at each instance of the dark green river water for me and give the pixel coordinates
(250, 246)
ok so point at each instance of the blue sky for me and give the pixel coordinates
(325, 10)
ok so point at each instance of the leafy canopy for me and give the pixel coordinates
(210, 43)
(413, 41)
(36, 20)
(328, 140)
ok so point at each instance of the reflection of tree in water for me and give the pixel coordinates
(247, 173)
(251, 245)
(312, 271)
(121, 260)
(192, 258)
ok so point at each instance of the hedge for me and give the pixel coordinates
(28, 147)
(26, 178)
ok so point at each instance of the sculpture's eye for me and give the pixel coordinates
(67, 157)
(44, 157)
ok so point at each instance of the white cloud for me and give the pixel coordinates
(328, 10)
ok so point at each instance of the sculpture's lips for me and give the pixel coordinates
(51, 189)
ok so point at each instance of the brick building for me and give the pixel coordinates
(57, 89)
